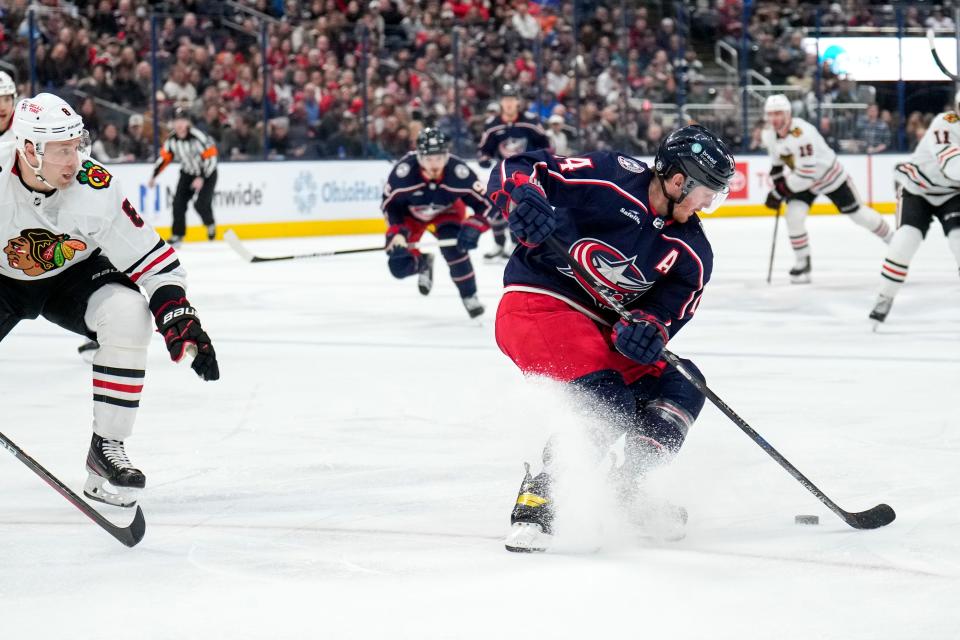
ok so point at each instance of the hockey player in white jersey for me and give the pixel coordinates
(8, 98)
(928, 186)
(814, 170)
(77, 253)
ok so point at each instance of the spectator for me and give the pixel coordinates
(134, 142)
(557, 136)
(242, 141)
(109, 147)
(873, 133)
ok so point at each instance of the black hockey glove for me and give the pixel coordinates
(774, 200)
(524, 204)
(179, 325)
(469, 236)
(642, 340)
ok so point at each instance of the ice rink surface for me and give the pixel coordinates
(352, 474)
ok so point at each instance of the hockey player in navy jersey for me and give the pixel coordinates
(504, 136)
(430, 190)
(635, 229)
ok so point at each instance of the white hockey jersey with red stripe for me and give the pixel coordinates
(45, 234)
(933, 170)
(813, 164)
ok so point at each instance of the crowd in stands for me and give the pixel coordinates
(360, 78)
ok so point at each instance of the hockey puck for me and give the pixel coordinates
(806, 519)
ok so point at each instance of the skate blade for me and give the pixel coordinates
(801, 279)
(527, 537)
(99, 489)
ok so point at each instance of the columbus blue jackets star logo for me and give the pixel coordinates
(618, 275)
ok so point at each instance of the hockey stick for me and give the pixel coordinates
(873, 518)
(773, 245)
(234, 241)
(129, 535)
(931, 39)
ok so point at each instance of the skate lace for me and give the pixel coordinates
(114, 452)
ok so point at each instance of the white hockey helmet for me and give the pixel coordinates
(47, 118)
(777, 102)
(7, 86)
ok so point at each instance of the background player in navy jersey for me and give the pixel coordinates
(636, 231)
(504, 136)
(430, 189)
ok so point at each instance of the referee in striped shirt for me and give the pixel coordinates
(197, 155)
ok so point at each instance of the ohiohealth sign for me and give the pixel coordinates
(877, 59)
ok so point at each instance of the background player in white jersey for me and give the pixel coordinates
(928, 187)
(67, 232)
(8, 98)
(814, 170)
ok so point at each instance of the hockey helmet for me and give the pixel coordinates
(47, 118)
(7, 86)
(777, 102)
(509, 91)
(432, 141)
(702, 158)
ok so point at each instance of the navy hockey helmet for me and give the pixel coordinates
(432, 141)
(702, 157)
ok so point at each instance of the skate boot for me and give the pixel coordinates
(800, 274)
(425, 273)
(111, 478)
(499, 252)
(531, 521)
(175, 241)
(88, 350)
(880, 310)
(473, 305)
(211, 232)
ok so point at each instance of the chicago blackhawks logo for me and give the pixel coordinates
(36, 251)
(93, 175)
(618, 276)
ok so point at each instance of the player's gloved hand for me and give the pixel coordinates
(179, 325)
(780, 186)
(485, 163)
(642, 340)
(469, 236)
(773, 200)
(396, 241)
(524, 203)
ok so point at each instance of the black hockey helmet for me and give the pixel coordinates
(432, 141)
(509, 91)
(702, 157)
(181, 113)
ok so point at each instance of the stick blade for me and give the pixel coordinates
(879, 516)
(131, 535)
(231, 238)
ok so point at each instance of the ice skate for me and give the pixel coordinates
(211, 232)
(425, 273)
(473, 305)
(800, 273)
(175, 241)
(880, 310)
(111, 478)
(531, 522)
(88, 350)
(499, 252)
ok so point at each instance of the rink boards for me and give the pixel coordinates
(303, 198)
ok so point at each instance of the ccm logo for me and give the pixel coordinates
(176, 313)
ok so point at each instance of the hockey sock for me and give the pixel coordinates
(953, 240)
(903, 246)
(873, 222)
(123, 325)
(796, 217)
(461, 270)
(500, 234)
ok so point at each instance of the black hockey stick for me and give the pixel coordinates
(129, 535)
(931, 39)
(234, 241)
(773, 245)
(878, 516)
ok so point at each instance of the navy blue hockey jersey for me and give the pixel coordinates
(502, 140)
(643, 260)
(409, 192)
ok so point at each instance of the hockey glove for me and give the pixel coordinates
(524, 203)
(642, 340)
(179, 325)
(396, 239)
(774, 200)
(469, 236)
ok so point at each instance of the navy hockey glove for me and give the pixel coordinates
(469, 236)
(179, 325)
(396, 240)
(642, 340)
(524, 203)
